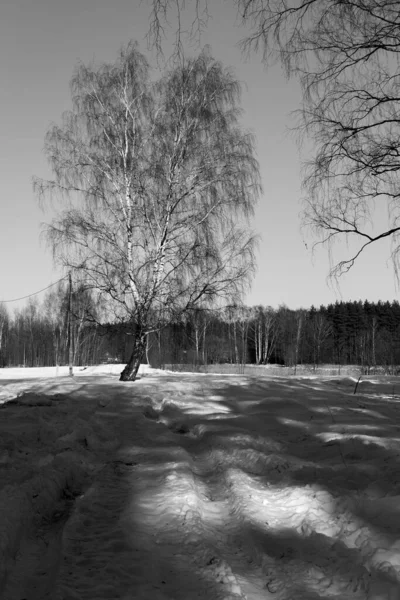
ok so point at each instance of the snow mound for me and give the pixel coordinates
(21, 506)
(151, 413)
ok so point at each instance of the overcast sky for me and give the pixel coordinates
(41, 42)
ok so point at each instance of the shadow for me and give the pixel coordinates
(229, 486)
(124, 539)
(312, 565)
(273, 435)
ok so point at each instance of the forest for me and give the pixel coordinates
(345, 333)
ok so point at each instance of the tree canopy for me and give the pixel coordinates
(346, 57)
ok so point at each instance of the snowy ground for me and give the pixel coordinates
(197, 486)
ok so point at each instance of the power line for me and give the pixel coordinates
(35, 293)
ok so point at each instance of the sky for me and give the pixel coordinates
(41, 43)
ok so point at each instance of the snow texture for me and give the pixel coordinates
(185, 486)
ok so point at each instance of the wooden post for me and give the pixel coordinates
(70, 348)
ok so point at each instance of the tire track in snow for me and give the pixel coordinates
(50, 459)
(138, 531)
(216, 512)
(37, 561)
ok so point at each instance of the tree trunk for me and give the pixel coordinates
(1, 339)
(298, 338)
(256, 344)
(374, 329)
(235, 342)
(139, 349)
(147, 349)
(204, 344)
(197, 344)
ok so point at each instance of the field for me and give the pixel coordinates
(275, 370)
(208, 486)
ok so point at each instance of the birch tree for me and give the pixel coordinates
(157, 182)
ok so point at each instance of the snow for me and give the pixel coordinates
(181, 486)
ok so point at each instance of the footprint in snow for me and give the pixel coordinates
(150, 413)
(222, 573)
(180, 428)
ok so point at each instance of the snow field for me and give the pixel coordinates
(45, 461)
(313, 514)
(187, 486)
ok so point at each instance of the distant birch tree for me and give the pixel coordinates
(264, 332)
(159, 181)
(55, 315)
(320, 329)
(4, 322)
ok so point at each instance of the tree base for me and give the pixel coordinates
(131, 370)
(125, 377)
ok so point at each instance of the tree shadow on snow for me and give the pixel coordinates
(305, 435)
(281, 482)
(124, 539)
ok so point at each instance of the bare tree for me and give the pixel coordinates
(244, 315)
(160, 181)
(4, 321)
(300, 315)
(83, 312)
(320, 329)
(264, 332)
(199, 320)
(230, 316)
(54, 307)
(346, 55)
(270, 333)
(256, 331)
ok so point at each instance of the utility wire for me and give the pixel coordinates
(35, 293)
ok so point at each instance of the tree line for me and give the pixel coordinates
(357, 333)
(344, 333)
